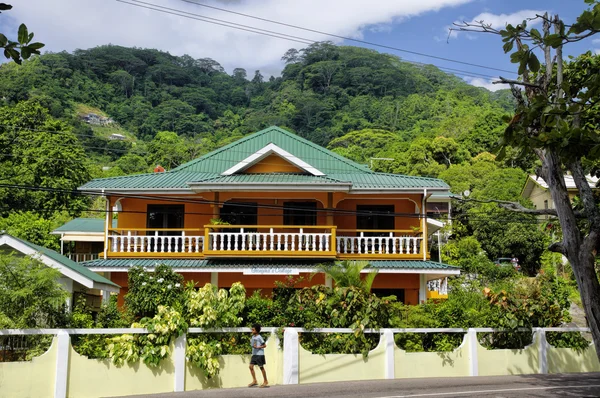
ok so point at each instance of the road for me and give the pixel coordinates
(565, 385)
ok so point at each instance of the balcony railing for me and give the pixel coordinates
(266, 241)
(81, 257)
(379, 243)
(272, 240)
(157, 243)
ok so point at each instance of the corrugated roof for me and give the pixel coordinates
(281, 178)
(259, 263)
(389, 181)
(170, 179)
(228, 156)
(210, 167)
(77, 267)
(88, 225)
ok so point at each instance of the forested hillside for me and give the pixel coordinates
(66, 118)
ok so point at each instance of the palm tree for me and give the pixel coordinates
(347, 273)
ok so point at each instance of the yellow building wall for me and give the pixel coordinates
(508, 362)
(313, 368)
(566, 360)
(235, 370)
(31, 379)
(273, 164)
(432, 364)
(101, 378)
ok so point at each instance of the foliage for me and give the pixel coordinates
(21, 49)
(167, 324)
(34, 228)
(209, 307)
(149, 290)
(348, 274)
(40, 151)
(30, 294)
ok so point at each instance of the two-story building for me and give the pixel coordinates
(269, 205)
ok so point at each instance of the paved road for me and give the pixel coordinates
(566, 385)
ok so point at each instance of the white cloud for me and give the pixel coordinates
(72, 24)
(597, 51)
(497, 21)
(485, 83)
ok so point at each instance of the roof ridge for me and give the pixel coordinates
(289, 134)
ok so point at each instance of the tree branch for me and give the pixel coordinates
(502, 80)
(519, 208)
(557, 247)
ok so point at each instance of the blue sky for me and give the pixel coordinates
(415, 25)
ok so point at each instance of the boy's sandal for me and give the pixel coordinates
(264, 385)
(252, 384)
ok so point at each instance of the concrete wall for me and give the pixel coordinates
(62, 372)
(34, 378)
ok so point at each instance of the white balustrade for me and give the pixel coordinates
(379, 244)
(131, 243)
(269, 241)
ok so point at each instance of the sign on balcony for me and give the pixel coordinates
(271, 271)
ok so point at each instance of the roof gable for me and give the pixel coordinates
(66, 266)
(265, 152)
(314, 155)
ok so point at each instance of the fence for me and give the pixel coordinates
(62, 372)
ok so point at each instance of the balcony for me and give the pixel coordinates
(270, 241)
(81, 257)
(379, 244)
(275, 241)
(162, 243)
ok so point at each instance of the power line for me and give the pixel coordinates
(345, 37)
(247, 205)
(189, 15)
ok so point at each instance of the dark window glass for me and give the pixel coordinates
(300, 213)
(165, 216)
(240, 213)
(375, 217)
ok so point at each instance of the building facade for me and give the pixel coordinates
(269, 206)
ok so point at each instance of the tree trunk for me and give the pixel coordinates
(579, 254)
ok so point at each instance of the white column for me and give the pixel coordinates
(214, 279)
(328, 281)
(290, 356)
(107, 225)
(390, 364)
(179, 360)
(62, 364)
(106, 293)
(473, 359)
(543, 350)
(422, 288)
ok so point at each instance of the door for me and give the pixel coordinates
(165, 216)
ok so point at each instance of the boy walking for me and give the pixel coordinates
(258, 356)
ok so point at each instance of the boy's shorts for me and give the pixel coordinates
(258, 360)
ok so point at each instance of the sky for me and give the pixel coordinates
(412, 25)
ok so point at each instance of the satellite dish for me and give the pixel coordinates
(466, 193)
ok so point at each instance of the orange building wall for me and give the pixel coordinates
(273, 164)
(404, 206)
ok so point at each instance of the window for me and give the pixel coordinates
(165, 216)
(240, 213)
(375, 217)
(300, 213)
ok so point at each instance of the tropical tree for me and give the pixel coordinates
(23, 47)
(349, 274)
(557, 118)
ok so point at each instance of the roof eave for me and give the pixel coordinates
(269, 187)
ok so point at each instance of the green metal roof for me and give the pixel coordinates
(384, 180)
(228, 156)
(260, 263)
(279, 178)
(209, 168)
(77, 267)
(88, 225)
